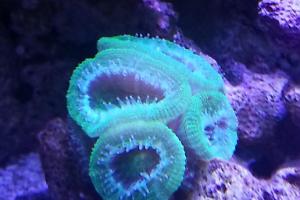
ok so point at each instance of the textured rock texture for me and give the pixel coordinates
(21, 178)
(292, 100)
(64, 164)
(254, 43)
(282, 16)
(234, 31)
(259, 105)
(227, 180)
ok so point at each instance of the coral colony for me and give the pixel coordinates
(126, 97)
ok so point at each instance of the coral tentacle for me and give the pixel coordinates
(202, 76)
(136, 142)
(209, 126)
(137, 67)
(127, 94)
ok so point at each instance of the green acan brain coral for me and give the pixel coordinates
(126, 97)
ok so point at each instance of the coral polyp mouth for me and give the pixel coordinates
(132, 160)
(210, 129)
(210, 125)
(133, 165)
(120, 85)
(127, 94)
(127, 88)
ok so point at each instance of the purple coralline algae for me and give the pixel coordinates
(259, 104)
(22, 178)
(63, 162)
(254, 43)
(283, 15)
(228, 180)
(292, 101)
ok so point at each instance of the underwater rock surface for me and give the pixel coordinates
(65, 175)
(255, 44)
(228, 180)
(259, 105)
(282, 17)
(292, 101)
(22, 178)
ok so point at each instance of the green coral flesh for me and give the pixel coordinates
(163, 111)
(202, 75)
(152, 162)
(125, 63)
(127, 93)
(209, 126)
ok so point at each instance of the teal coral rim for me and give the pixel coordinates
(152, 166)
(134, 74)
(209, 126)
(202, 75)
(127, 94)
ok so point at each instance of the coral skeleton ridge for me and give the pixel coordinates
(125, 97)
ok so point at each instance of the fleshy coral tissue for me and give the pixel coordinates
(126, 96)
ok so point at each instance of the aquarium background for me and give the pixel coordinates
(255, 44)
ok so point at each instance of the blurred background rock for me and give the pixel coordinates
(256, 45)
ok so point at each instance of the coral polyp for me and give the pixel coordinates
(137, 160)
(201, 75)
(209, 126)
(128, 94)
(117, 80)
